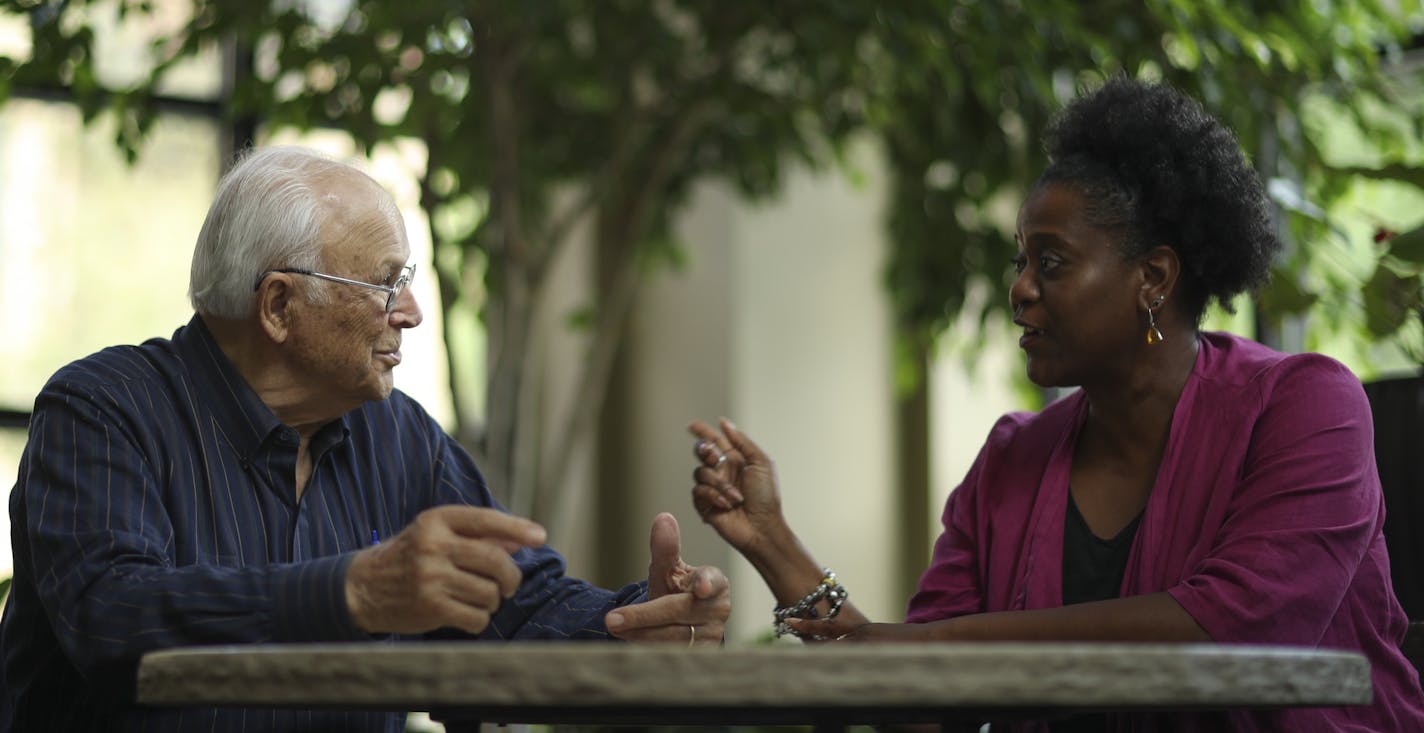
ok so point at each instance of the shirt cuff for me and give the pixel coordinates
(311, 602)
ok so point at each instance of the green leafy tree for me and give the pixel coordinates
(1394, 294)
(1374, 191)
(538, 117)
(976, 82)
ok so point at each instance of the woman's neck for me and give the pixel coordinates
(1131, 417)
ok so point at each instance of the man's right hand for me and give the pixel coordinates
(450, 568)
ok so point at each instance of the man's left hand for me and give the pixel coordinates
(685, 604)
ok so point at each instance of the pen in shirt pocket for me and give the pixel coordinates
(375, 537)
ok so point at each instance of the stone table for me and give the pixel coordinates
(824, 685)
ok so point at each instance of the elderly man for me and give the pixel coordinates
(258, 479)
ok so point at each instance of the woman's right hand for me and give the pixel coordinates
(734, 487)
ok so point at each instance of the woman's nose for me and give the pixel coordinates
(1023, 289)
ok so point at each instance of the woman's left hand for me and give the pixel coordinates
(840, 629)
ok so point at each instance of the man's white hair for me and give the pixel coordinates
(267, 214)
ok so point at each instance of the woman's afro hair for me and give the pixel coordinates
(1153, 164)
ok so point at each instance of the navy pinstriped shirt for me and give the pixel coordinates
(155, 508)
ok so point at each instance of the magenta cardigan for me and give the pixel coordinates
(1265, 523)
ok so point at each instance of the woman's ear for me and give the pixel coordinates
(274, 303)
(1160, 268)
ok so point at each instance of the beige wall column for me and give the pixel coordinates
(779, 322)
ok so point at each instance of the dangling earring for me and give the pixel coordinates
(1153, 335)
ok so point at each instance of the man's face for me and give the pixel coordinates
(347, 347)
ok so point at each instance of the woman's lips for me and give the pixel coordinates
(1030, 335)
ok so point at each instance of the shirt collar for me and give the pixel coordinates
(237, 411)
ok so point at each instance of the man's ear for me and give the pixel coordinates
(275, 299)
(1159, 268)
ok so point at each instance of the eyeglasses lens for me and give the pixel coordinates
(397, 289)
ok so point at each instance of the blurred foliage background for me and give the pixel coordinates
(551, 119)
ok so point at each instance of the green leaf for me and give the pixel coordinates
(1285, 296)
(1391, 299)
(5, 588)
(1408, 246)
(1411, 174)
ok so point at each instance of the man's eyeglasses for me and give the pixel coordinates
(392, 291)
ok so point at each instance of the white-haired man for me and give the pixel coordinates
(257, 478)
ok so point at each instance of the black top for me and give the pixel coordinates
(1092, 571)
(1092, 566)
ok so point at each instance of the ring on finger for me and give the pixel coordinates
(692, 630)
(722, 458)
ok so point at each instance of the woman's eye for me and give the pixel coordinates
(1048, 264)
(1019, 263)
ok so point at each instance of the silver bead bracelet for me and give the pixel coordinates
(829, 589)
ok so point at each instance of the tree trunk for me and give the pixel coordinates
(912, 417)
(509, 311)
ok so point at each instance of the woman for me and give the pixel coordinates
(1198, 487)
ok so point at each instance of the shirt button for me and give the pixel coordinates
(245, 463)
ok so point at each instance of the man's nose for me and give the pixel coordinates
(407, 313)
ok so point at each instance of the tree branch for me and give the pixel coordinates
(558, 233)
(620, 293)
(508, 314)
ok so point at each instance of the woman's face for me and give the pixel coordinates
(1074, 295)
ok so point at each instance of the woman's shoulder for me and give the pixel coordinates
(1242, 371)
(1229, 358)
(1045, 426)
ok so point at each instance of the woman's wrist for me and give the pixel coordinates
(788, 568)
(775, 547)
